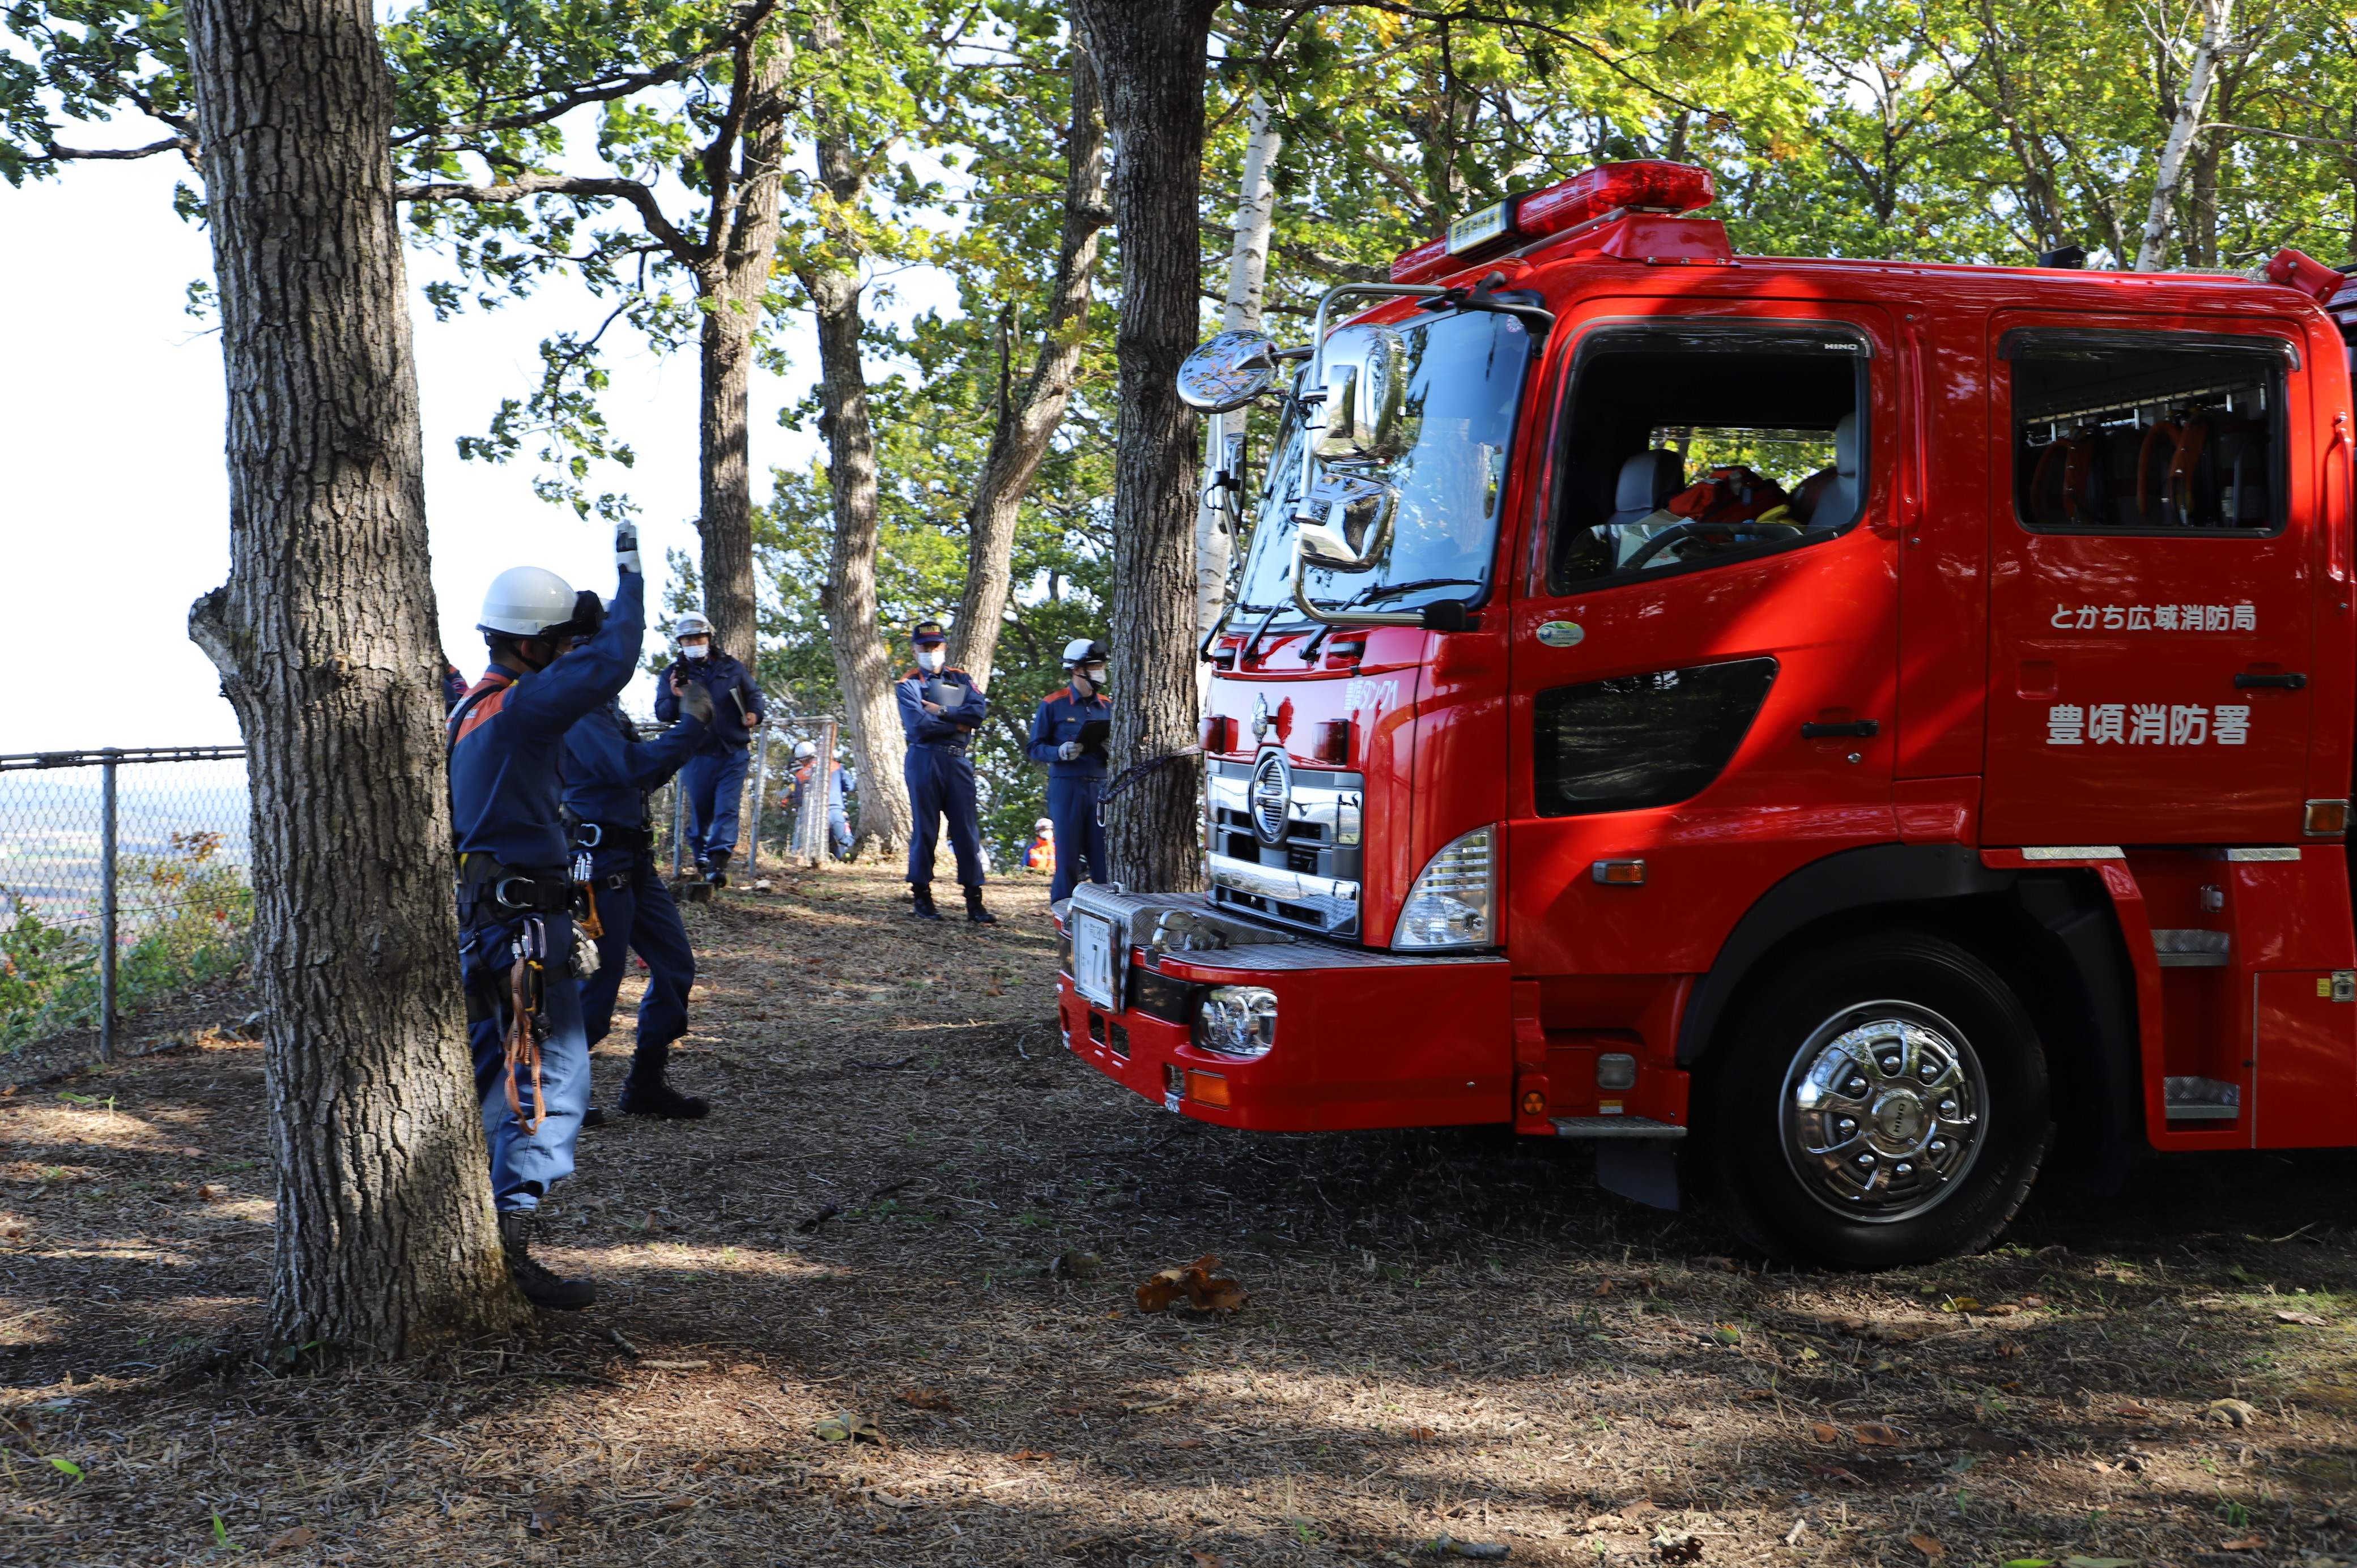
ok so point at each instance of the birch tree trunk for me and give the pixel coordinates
(862, 666)
(325, 641)
(1247, 283)
(1027, 423)
(1150, 54)
(2212, 44)
(734, 282)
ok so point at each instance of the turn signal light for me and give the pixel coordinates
(1207, 1088)
(1534, 1104)
(2327, 819)
(1618, 873)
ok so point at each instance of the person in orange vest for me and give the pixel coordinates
(1040, 854)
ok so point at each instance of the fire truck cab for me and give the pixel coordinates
(1841, 736)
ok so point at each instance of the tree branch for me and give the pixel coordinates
(596, 188)
(52, 153)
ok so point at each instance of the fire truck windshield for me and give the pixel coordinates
(1427, 499)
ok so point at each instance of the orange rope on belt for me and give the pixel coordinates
(522, 1045)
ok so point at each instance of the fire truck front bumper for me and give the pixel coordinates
(1285, 1037)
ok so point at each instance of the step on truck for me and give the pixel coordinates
(1842, 737)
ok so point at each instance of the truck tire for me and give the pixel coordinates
(1879, 1102)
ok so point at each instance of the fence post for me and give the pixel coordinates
(760, 781)
(678, 819)
(109, 756)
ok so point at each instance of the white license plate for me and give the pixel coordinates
(1092, 956)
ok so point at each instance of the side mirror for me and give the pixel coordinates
(1364, 375)
(1346, 525)
(1228, 371)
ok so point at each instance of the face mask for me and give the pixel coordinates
(1094, 678)
(931, 660)
(694, 651)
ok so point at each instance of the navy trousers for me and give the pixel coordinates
(715, 782)
(524, 1165)
(940, 784)
(638, 917)
(1072, 807)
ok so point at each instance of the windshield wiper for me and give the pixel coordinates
(1385, 590)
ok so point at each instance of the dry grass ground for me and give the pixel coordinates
(1450, 1335)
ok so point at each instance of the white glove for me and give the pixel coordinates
(1069, 751)
(625, 547)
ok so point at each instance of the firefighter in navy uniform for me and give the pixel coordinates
(1076, 764)
(607, 772)
(940, 710)
(555, 658)
(715, 777)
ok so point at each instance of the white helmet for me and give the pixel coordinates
(691, 624)
(805, 748)
(1083, 650)
(525, 601)
(1044, 822)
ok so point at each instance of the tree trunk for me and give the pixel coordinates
(733, 283)
(1026, 424)
(1150, 53)
(1247, 281)
(326, 640)
(861, 663)
(2212, 44)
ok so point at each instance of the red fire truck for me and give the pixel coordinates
(1842, 735)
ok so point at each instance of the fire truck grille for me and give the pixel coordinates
(1289, 854)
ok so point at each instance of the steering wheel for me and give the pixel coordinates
(1683, 531)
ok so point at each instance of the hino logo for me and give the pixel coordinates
(1271, 803)
(1260, 717)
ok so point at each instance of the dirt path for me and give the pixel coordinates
(1451, 1334)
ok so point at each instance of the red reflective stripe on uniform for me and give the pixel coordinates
(482, 708)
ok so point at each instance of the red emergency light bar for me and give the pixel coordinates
(1534, 214)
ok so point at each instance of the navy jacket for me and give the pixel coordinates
(726, 680)
(1060, 719)
(948, 729)
(507, 762)
(607, 771)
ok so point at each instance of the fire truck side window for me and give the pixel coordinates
(1690, 443)
(2146, 432)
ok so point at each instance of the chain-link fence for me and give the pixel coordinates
(123, 874)
(788, 810)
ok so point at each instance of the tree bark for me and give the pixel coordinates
(1150, 54)
(325, 641)
(1247, 283)
(2208, 49)
(1027, 423)
(733, 280)
(861, 663)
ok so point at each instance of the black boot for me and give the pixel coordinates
(715, 867)
(644, 1093)
(921, 899)
(540, 1286)
(975, 911)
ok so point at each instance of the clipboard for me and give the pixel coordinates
(1094, 735)
(945, 694)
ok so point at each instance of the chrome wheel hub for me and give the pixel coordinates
(1884, 1107)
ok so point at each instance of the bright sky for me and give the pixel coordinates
(111, 430)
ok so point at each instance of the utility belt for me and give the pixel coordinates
(608, 835)
(488, 889)
(957, 745)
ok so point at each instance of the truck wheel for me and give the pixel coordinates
(1879, 1104)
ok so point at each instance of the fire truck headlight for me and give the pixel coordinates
(1454, 903)
(1238, 1021)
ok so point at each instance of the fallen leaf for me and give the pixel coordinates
(191, 1154)
(1184, 1443)
(2248, 1543)
(11, 1230)
(1757, 1394)
(845, 1427)
(675, 1366)
(1479, 1551)
(2134, 1412)
(677, 1505)
(1727, 1334)
(1420, 1434)
(1076, 1265)
(2033, 1301)
(1960, 1303)
(1880, 1436)
(2099, 1562)
(1207, 1560)
(212, 1194)
(2002, 1308)
(1929, 1545)
(2031, 1562)
(1832, 1472)
(2232, 1412)
(1031, 1455)
(1203, 1291)
(928, 1399)
(294, 1540)
(2311, 1319)
(1685, 1549)
(1823, 1431)
(1676, 1423)
(1639, 1509)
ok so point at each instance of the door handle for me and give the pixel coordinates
(2279, 683)
(1863, 727)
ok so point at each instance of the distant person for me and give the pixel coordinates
(805, 795)
(1068, 735)
(454, 686)
(940, 710)
(1040, 854)
(715, 777)
(607, 772)
(556, 656)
